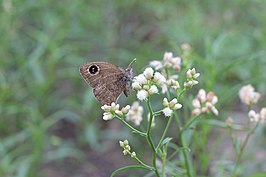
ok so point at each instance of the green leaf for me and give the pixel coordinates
(219, 124)
(166, 140)
(128, 167)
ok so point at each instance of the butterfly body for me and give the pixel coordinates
(107, 80)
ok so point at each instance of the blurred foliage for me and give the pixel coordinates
(48, 113)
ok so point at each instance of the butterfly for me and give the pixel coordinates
(107, 80)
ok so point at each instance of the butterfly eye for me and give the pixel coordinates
(93, 69)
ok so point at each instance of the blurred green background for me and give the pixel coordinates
(51, 124)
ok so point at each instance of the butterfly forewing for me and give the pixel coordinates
(107, 80)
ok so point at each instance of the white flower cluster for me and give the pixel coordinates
(171, 106)
(248, 95)
(169, 61)
(192, 75)
(146, 83)
(171, 82)
(111, 111)
(135, 113)
(257, 117)
(127, 148)
(205, 103)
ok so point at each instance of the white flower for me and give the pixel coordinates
(172, 105)
(214, 110)
(133, 154)
(191, 76)
(204, 103)
(188, 84)
(254, 117)
(247, 95)
(177, 106)
(257, 117)
(167, 111)
(142, 95)
(173, 102)
(148, 73)
(141, 79)
(196, 112)
(167, 56)
(202, 95)
(114, 106)
(111, 111)
(212, 97)
(159, 78)
(165, 102)
(125, 109)
(153, 90)
(156, 64)
(196, 103)
(136, 86)
(135, 113)
(108, 116)
(176, 61)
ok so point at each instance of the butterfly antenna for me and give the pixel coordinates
(133, 61)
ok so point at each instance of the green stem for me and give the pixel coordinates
(132, 128)
(163, 165)
(165, 131)
(142, 163)
(238, 158)
(149, 139)
(185, 153)
(186, 157)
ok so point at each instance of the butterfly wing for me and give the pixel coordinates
(107, 80)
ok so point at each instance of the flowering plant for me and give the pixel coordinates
(172, 155)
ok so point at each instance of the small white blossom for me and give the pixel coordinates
(118, 112)
(191, 76)
(111, 111)
(173, 102)
(248, 95)
(165, 102)
(177, 106)
(136, 86)
(170, 61)
(202, 95)
(257, 117)
(169, 107)
(156, 64)
(142, 95)
(126, 148)
(108, 116)
(135, 113)
(148, 73)
(204, 103)
(196, 112)
(254, 117)
(125, 109)
(133, 154)
(141, 79)
(188, 84)
(153, 90)
(159, 78)
(196, 103)
(167, 111)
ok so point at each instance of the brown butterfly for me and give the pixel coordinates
(107, 80)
